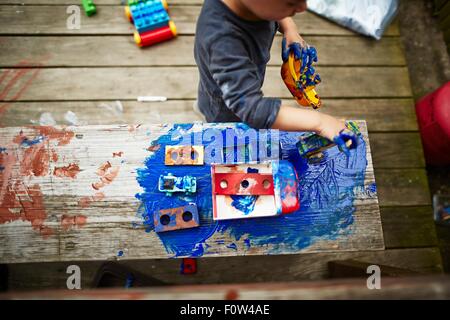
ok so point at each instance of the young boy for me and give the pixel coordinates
(232, 49)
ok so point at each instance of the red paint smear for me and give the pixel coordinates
(107, 175)
(54, 156)
(63, 136)
(21, 90)
(19, 74)
(86, 201)
(117, 154)
(29, 206)
(7, 160)
(103, 168)
(4, 74)
(69, 171)
(154, 148)
(67, 222)
(35, 161)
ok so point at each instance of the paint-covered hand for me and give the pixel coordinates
(296, 47)
(346, 140)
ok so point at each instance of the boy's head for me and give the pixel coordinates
(274, 10)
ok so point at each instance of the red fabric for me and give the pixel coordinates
(433, 114)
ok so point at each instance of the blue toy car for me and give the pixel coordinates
(170, 184)
(312, 145)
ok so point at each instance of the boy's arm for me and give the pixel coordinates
(290, 31)
(296, 119)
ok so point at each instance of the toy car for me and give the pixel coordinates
(311, 145)
(170, 184)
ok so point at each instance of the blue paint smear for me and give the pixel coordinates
(246, 204)
(2, 150)
(372, 188)
(327, 190)
(120, 253)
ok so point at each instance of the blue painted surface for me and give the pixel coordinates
(327, 189)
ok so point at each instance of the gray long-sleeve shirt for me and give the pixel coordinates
(232, 54)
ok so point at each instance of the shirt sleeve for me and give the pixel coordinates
(240, 82)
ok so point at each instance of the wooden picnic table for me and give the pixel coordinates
(89, 193)
(92, 76)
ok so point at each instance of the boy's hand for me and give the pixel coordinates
(294, 37)
(335, 130)
(330, 127)
(296, 44)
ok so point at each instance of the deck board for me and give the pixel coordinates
(96, 51)
(374, 111)
(282, 268)
(64, 84)
(40, 19)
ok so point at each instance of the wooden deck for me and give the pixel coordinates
(47, 68)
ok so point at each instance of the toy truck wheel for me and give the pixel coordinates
(128, 14)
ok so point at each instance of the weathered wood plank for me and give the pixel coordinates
(84, 51)
(42, 19)
(397, 150)
(401, 187)
(400, 112)
(409, 287)
(405, 227)
(108, 221)
(28, 276)
(181, 83)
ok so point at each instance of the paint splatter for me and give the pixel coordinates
(117, 154)
(107, 174)
(69, 171)
(63, 136)
(327, 192)
(26, 204)
(246, 204)
(85, 202)
(154, 148)
(68, 222)
(19, 82)
(19, 200)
